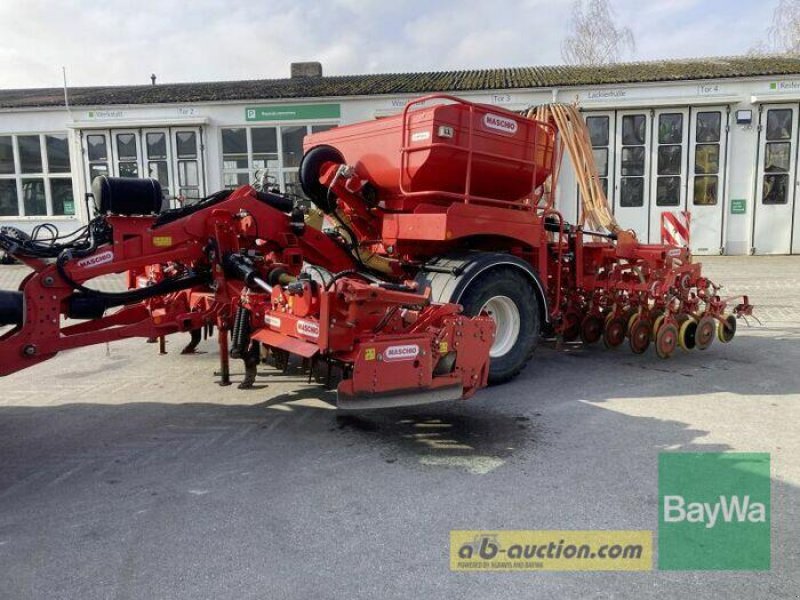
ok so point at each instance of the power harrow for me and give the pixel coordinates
(429, 264)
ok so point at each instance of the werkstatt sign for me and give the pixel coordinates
(290, 112)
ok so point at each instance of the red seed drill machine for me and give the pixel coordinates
(429, 265)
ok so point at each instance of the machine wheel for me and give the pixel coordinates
(630, 317)
(706, 329)
(656, 324)
(310, 170)
(687, 333)
(639, 335)
(591, 329)
(614, 333)
(726, 329)
(572, 326)
(508, 298)
(666, 340)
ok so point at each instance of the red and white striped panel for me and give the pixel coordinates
(675, 228)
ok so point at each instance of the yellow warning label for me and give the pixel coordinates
(369, 354)
(162, 241)
(442, 347)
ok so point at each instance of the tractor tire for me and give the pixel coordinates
(509, 298)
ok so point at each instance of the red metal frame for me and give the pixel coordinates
(386, 337)
(406, 149)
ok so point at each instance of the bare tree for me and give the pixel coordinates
(783, 36)
(594, 37)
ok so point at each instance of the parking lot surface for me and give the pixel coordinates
(125, 474)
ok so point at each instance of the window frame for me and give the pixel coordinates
(45, 175)
(281, 171)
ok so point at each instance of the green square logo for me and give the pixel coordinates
(773, 86)
(714, 511)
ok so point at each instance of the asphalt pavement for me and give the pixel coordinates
(125, 474)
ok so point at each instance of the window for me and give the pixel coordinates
(274, 151)
(709, 127)
(708, 137)
(35, 175)
(127, 155)
(292, 138)
(599, 131)
(777, 156)
(97, 153)
(30, 154)
(779, 124)
(669, 161)
(633, 161)
(157, 164)
(6, 155)
(186, 142)
(8, 198)
(634, 128)
(57, 153)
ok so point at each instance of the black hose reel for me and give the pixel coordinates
(310, 171)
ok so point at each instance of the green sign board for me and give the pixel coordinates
(292, 112)
(738, 206)
(714, 511)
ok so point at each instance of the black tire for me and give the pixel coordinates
(509, 282)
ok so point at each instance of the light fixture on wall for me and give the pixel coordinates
(744, 117)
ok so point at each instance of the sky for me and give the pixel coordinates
(113, 42)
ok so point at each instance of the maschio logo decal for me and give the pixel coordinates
(308, 329)
(404, 352)
(97, 259)
(714, 511)
(499, 123)
(551, 550)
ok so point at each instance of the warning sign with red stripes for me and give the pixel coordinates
(675, 228)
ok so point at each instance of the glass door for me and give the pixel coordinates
(706, 179)
(127, 153)
(632, 172)
(157, 162)
(775, 196)
(187, 164)
(97, 150)
(668, 184)
(601, 134)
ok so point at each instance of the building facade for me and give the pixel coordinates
(715, 137)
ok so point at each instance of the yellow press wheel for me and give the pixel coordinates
(686, 333)
(726, 329)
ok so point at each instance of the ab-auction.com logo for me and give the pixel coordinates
(714, 511)
(550, 550)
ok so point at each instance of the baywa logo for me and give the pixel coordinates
(714, 511)
(730, 508)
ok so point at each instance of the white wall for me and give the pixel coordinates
(738, 94)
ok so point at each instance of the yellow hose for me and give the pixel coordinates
(574, 135)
